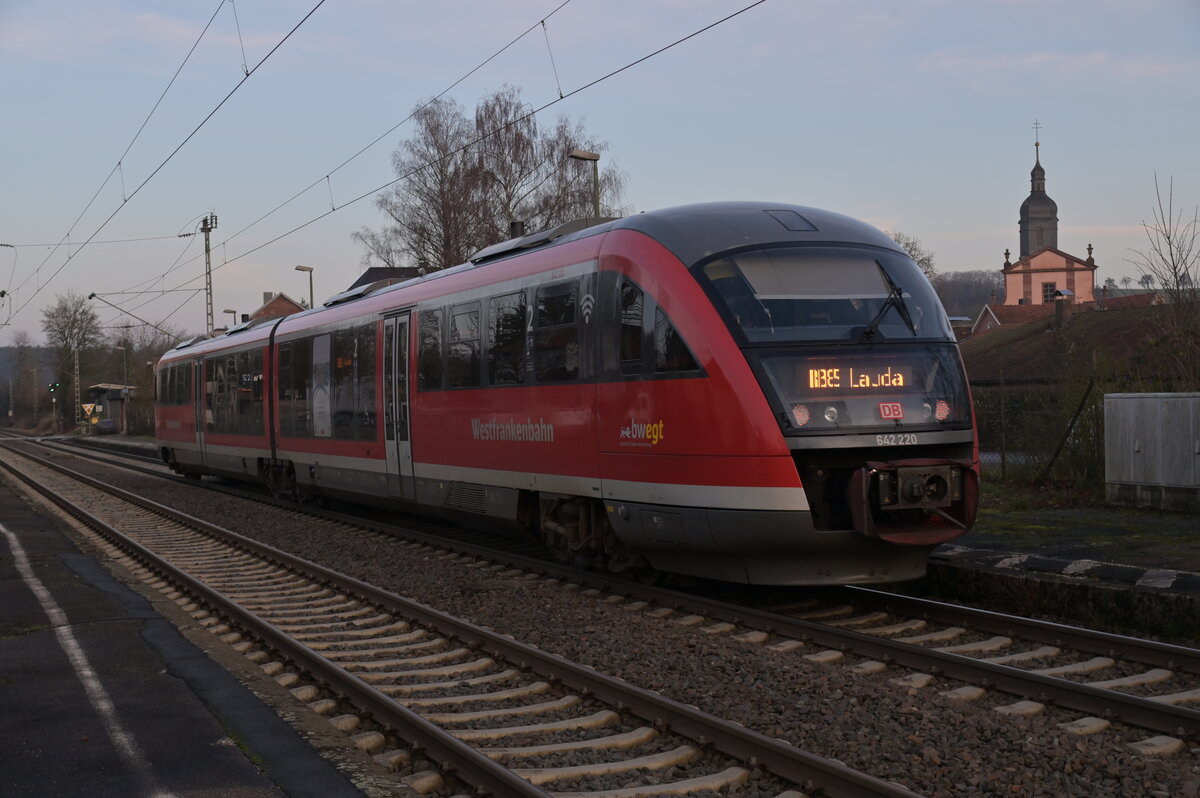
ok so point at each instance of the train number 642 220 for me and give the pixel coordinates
(895, 440)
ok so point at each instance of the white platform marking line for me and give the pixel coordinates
(126, 746)
(1158, 577)
(1080, 566)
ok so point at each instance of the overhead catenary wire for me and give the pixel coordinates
(327, 177)
(178, 263)
(394, 128)
(172, 154)
(237, 23)
(155, 293)
(334, 207)
(129, 146)
(485, 136)
(553, 66)
(97, 243)
(143, 321)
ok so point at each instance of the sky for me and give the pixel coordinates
(913, 115)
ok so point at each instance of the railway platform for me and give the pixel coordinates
(1122, 547)
(103, 696)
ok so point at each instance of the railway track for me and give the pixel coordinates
(1093, 678)
(496, 715)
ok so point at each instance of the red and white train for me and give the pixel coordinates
(746, 392)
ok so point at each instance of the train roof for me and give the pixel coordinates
(690, 232)
(694, 232)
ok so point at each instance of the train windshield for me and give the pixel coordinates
(827, 294)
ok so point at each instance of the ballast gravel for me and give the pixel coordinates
(931, 744)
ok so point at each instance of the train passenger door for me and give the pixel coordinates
(200, 400)
(395, 404)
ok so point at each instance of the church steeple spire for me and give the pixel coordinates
(1039, 213)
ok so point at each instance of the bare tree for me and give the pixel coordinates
(965, 293)
(71, 327)
(432, 206)
(144, 345)
(22, 376)
(1172, 259)
(463, 181)
(912, 245)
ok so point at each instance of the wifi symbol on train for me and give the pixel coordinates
(586, 305)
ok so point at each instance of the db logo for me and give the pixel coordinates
(891, 410)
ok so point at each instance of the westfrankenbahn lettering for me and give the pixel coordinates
(529, 430)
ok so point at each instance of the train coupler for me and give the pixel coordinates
(914, 502)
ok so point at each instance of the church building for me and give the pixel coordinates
(1043, 272)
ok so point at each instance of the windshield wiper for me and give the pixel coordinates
(895, 299)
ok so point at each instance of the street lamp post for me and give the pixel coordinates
(594, 157)
(308, 269)
(234, 313)
(124, 390)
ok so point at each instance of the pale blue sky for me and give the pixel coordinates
(914, 115)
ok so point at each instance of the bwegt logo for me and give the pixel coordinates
(646, 431)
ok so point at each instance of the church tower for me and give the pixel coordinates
(1039, 213)
(1043, 273)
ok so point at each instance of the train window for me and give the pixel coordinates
(177, 385)
(368, 414)
(429, 363)
(320, 411)
(670, 352)
(556, 339)
(464, 346)
(170, 392)
(354, 416)
(295, 374)
(793, 294)
(209, 376)
(506, 339)
(632, 310)
(247, 399)
(345, 383)
(215, 390)
(285, 389)
(230, 396)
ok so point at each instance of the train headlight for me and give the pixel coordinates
(831, 414)
(928, 410)
(800, 415)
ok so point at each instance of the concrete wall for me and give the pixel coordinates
(1152, 449)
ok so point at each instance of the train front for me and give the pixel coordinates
(853, 351)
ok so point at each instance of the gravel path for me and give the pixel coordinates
(913, 737)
